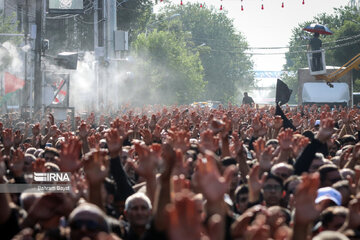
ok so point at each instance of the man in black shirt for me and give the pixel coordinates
(247, 99)
(315, 44)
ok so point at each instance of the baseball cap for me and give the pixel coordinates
(328, 193)
(317, 122)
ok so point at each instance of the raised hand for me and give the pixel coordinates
(114, 143)
(259, 230)
(39, 165)
(209, 180)
(49, 205)
(83, 130)
(256, 124)
(184, 224)
(255, 183)
(51, 119)
(270, 122)
(299, 144)
(180, 183)
(52, 130)
(70, 155)
(286, 139)
(326, 129)
(157, 133)
(36, 130)
(17, 163)
(147, 162)
(208, 141)
(263, 154)
(262, 130)
(249, 133)
(240, 227)
(146, 135)
(152, 123)
(217, 126)
(92, 142)
(96, 166)
(179, 140)
(357, 123)
(8, 138)
(306, 193)
(297, 120)
(18, 138)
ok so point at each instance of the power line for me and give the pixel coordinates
(90, 23)
(65, 16)
(282, 53)
(286, 47)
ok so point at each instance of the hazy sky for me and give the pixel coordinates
(272, 26)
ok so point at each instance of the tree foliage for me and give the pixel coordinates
(226, 67)
(133, 15)
(9, 25)
(167, 71)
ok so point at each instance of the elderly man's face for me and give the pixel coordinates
(138, 213)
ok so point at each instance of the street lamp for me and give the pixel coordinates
(159, 21)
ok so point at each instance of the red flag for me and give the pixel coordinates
(12, 83)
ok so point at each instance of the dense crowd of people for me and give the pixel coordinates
(186, 173)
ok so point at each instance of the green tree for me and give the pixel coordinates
(226, 66)
(167, 71)
(9, 25)
(133, 15)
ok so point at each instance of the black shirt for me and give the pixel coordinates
(315, 44)
(247, 100)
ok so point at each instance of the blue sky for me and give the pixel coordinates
(272, 26)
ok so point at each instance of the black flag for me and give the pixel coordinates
(286, 122)
(283, 93)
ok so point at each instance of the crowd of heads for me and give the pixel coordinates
(184, 172)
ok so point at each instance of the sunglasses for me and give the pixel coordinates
(90, 225)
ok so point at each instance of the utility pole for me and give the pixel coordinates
(96, 45)
(26, 95)
(111, 26)
(96, 25)
(37, 70)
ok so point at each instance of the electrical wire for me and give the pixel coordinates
(90, 23)
(65, 16)
(282, 53)
(285, 47)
